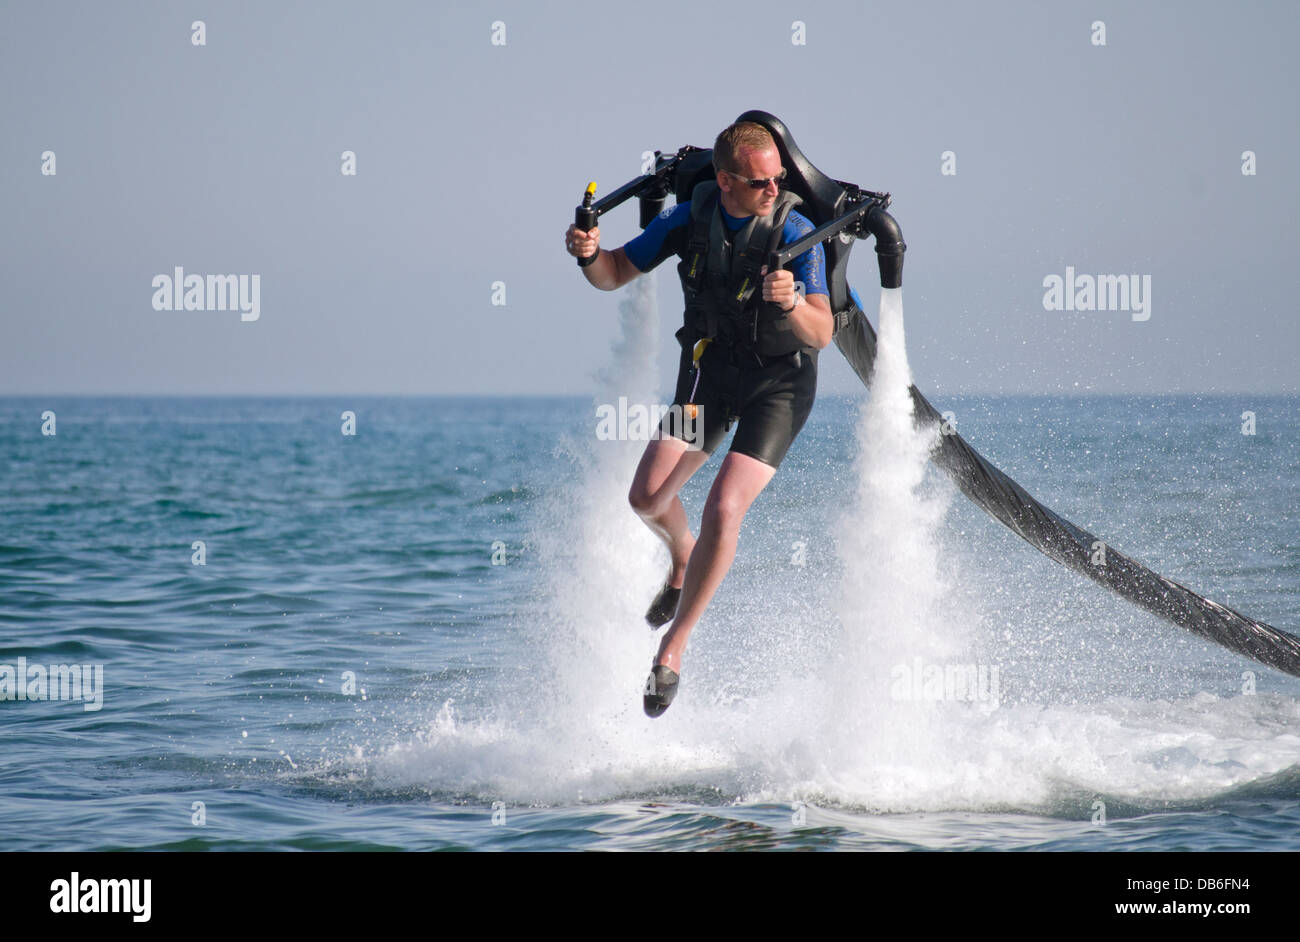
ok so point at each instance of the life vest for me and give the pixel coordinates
(720, 277)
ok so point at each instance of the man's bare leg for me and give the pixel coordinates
(740, 480)
(665, 467)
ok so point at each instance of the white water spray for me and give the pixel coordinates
(604, 565)
(572, 715)
(844, 736)
(891, 606)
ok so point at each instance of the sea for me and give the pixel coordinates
(366, 623)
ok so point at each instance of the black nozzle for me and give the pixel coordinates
(889, 246)
(652, 202)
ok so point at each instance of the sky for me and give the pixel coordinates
(475, 129)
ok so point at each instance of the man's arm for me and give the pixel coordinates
(810, 317)
(656, 243)
(810, 311)
(611, 270)
(812, 320)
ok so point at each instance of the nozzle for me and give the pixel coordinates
(889, 246)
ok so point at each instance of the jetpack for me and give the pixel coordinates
(843, 213)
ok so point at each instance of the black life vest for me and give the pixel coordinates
(719, 275)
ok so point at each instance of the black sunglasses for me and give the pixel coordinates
(760, 184)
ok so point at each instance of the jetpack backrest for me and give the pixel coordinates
(823, 198)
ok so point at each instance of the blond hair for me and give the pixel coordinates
(743, 135)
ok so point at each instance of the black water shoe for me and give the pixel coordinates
(660, 688)
(664, 607)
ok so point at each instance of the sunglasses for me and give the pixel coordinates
(760, 184)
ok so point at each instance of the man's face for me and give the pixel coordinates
(744, 200)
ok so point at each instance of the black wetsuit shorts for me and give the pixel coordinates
(770, 398)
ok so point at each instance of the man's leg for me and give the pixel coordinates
(665, 467)
(740, 480)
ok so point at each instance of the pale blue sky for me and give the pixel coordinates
(1122, 159)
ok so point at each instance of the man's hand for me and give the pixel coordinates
(610, 270)
(580, 243)
(810, 317)
(778, 287)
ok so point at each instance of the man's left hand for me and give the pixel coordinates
(778, 287)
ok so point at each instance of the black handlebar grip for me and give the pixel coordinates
(584, 217)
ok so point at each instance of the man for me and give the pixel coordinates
(748, 354)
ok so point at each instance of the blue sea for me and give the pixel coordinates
(427, 635)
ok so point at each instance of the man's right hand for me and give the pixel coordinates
(610, 270)
(581, 243)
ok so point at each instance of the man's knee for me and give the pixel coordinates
(646, 502)
(725, 511)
